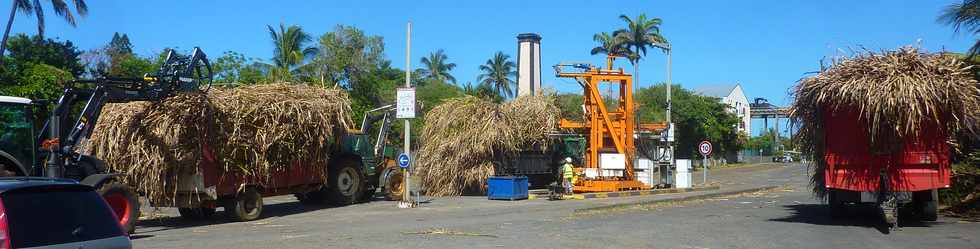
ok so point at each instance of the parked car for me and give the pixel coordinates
(38, 212)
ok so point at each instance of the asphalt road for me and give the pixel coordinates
(783, 217)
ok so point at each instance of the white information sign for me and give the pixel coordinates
(405, 108)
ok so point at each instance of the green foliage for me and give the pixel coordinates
(498, 73)
(132, 66)
(608, 45)
(35, 81)
(290, 50)
(766, 142)
(37, 50)
(35, 8)
(483, 91)
(571, 106)
(695, 117)
(436, 67)
(119, 45)
(640, 33)
(965, 15)
(234, 67)
(345, 55)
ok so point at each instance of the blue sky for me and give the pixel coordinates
(764, 45)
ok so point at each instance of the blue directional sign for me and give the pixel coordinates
(403, 160)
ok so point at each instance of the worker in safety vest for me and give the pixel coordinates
(568, 175)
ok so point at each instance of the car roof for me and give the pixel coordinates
(16, 100)
(11, 183)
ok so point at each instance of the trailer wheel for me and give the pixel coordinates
(929, 211)
(836, 206)
(246, 206)
(346, 183)
(393, 188)
(196, 213)
(124, 203)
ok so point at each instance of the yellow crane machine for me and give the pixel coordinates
(609, 127)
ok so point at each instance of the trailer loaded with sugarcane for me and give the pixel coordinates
(232, 147)
(877, 126)
(171, 138)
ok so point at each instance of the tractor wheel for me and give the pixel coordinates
(394, 190)
(246, 206)
(345, 183)
(199, 213)
(124, 203)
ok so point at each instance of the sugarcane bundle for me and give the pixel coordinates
(462, 137)
(895, 94)
(252, 130)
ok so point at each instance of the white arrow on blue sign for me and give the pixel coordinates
(403, 160)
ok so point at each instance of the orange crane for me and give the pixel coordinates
(611, 133)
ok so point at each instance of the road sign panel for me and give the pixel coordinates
(403, 160)
(705, 148)
(405, 104)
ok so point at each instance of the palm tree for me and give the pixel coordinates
(436, 68)
(497, 73)
(290, 49)
(608, 45)
(26, 6)
(639, 35)
(964, 15)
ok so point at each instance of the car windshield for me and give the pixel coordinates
(15, 132)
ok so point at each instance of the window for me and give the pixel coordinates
(48, 215)
(16, 135)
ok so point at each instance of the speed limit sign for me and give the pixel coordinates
(705, 148)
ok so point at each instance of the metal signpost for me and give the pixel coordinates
(405, 109)
(705, 148)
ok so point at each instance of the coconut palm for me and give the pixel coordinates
(30, 7)
(639, 34)
(290, 51)
(436, 68)
(608, 45)
(964, 15)
(497, 73)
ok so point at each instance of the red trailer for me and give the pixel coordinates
(905, 174)
(352, 174)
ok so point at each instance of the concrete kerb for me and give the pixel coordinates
(629, 193)
(680, 199)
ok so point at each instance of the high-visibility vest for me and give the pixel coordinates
(567, 172)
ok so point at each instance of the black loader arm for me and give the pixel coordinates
(66, 129)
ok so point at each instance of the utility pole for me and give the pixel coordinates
(407, 172)
(670, 125)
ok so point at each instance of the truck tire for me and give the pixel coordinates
(393, 188)
(124, 203)
(247, 205)
(929, 209)
(199, 213)
(345, 183)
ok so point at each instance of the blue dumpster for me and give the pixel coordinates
(507, 188)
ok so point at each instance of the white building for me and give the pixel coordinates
(734, 97)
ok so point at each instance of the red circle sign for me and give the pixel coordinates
(705, 148)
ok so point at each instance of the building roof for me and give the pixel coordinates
(717, 91)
